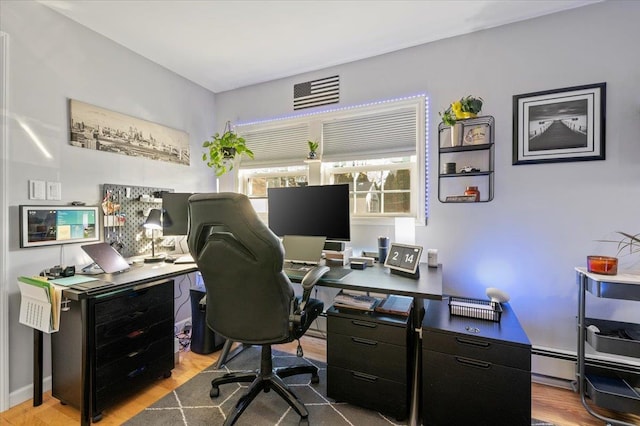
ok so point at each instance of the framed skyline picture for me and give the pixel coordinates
(559, 125)
(100, 129)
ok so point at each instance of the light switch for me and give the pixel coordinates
(54, 191)
(36, 190)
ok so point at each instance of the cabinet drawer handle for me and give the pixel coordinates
(472, 342)
(363, 324)
(364, 341)
(365, 377)
(138, 352)
(137, 333)
(137, 314)
(137, 372)
(473, 362)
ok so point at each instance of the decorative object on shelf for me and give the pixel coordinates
(469, 169)
(497, 295)
(475, 136)
(473, 191)
(467, 107)
(224, 149)
(605, 265)
(449, 168)
(313, 148)
(559, 125)
(460, 199)
(404, 259)
(629, 244)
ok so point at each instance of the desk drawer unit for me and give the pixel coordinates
(474, 371)
(131, 343)
(368, 360)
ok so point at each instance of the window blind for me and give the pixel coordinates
(276, 146)
(382, 134)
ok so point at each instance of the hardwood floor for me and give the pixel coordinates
(555, 405)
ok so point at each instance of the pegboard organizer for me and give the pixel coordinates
(126, 208)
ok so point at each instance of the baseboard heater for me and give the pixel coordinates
(589, 360)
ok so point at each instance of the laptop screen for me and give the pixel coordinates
(303, 249)
(106, 257)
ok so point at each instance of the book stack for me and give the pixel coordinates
(360, 302)
(396, 305)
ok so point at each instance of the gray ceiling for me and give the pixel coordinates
(223, 45)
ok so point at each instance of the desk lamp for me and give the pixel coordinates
(153, 222)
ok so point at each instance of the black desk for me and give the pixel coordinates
(137, 275)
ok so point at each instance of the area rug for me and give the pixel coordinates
(191, 405)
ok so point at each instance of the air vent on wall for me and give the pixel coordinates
(315, 93)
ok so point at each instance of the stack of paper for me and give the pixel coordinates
(361, 302)
(40, 304)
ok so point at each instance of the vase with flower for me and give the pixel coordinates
(467, 107)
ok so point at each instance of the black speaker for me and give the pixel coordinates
(334, 245)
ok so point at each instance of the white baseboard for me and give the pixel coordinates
(26, 393)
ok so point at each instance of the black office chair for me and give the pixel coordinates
(249, 298)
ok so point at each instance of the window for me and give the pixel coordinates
(378, 187)
(373, 147)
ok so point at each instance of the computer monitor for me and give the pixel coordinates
(321, 211)
(175, 213)
(54, 225)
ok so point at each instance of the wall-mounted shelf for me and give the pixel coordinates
(472, 147)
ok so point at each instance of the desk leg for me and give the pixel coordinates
(85, 375)
(37, 367)
(414, 413)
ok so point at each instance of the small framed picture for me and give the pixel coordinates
(477, 135)
(559, 125)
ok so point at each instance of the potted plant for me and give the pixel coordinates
(467, 107)
(313, 148)
(608, 265)
(223, 149)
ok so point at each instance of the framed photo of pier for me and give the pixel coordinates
(100, 129)
(560, 125)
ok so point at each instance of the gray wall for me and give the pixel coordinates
(52, 59)
(544, 218)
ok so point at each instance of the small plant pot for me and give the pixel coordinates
(604, 265)
(228, 152)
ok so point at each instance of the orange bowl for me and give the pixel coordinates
(604, 265)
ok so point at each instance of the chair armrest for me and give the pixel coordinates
(309, 280)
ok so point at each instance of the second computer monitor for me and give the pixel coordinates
(175, 213)
(321, 210)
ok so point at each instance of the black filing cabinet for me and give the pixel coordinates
(474, 372)
(130, 343)
(368, 360)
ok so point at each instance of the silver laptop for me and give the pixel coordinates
(106, 257)
(300, 249)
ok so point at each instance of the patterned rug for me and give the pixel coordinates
(191, 405)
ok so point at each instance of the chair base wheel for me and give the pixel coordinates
(315, 379)
(304, 421)
(214, 393)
